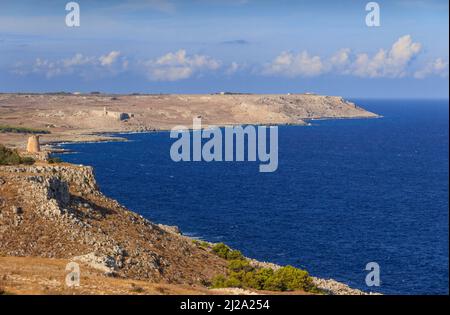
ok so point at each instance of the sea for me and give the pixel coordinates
(346, 193)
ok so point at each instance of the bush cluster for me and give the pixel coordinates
(12, 157)
(225, 252)
(14, 129)
(241, 274)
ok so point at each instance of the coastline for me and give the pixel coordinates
(329, 285)
(82, 118)
(96, 126)
(116, 136)
(53, 190)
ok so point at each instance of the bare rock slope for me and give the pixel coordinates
(58, 212)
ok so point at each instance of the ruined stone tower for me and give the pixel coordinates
(33, 144)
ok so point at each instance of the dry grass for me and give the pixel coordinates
(44, 276)
(37, 276)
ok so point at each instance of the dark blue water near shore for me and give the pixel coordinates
(347, 192)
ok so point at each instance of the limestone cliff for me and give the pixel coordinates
(58, 212)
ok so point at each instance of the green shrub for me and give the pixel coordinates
(225, 252)
(258, 279)
(288, 279)
(8, 156)
(235, 280)
(242, 275)
(27, 160)
(240, 265)
(221, 250)
(26, 130)
(219, 281)
(12, 157)
(234, 254)
(53, 160)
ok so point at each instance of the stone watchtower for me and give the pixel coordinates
(33, 144)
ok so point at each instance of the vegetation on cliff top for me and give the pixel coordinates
(12, 157)
(14, 129)
(225, 252)
(241, 274)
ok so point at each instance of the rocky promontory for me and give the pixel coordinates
(72, 118)
(57, 212)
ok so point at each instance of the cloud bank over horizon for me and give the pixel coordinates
(197, 46)
(395, 62)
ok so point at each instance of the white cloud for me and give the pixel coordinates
(79, 64)
(178, 66)
(290, 65)
(341, 58)
(438, 67)
(109, 59)
(233, 68)
(392, 63)
(60, 67)
(396, 62)
(50, 69)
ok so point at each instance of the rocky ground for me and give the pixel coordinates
(58, 212)
(82, 117)
(36, 275)
(52, 214)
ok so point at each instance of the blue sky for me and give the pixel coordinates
(202, 46)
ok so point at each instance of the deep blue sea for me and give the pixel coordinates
(346, 192)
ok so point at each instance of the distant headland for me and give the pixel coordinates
(76, 117)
